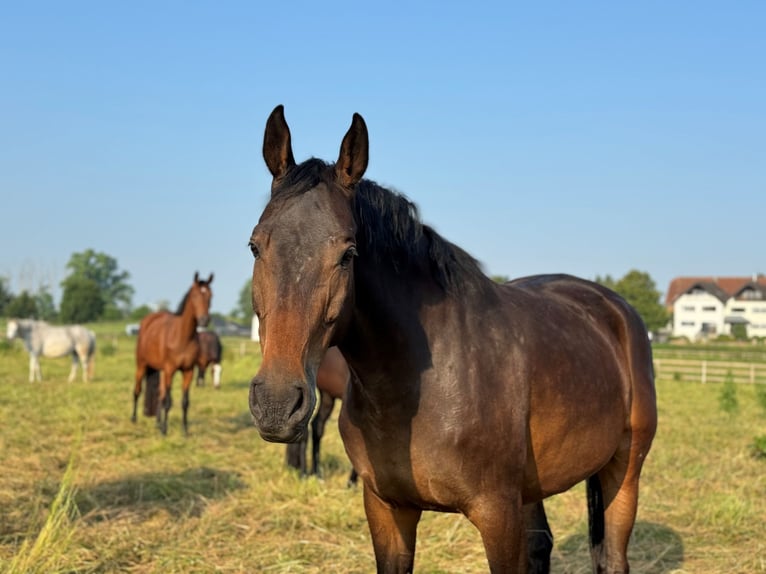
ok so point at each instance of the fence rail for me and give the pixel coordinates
(709, 371)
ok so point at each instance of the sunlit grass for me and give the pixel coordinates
(82, 489)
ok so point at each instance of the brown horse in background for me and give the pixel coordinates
(333, 377)
(167, 342)
(468, 396)
(210, 353)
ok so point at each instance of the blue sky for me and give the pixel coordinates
(583, 137)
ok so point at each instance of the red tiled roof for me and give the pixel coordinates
(730, 285)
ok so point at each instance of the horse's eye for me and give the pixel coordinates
(348, 256)
(254, 250)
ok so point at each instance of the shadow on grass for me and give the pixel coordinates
(654, 549)
(181, 494)
(241, 422)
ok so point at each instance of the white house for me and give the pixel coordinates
(708, 306)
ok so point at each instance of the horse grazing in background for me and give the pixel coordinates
(468, 396)
(332, 379)
(44, 340)
(210, 353)
(167, 342)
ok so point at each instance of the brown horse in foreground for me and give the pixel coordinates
(468, 396)
(333, 377)
(210, 353)
(167, 342)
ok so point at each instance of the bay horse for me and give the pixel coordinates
(468, 396)
(210, 353)
(44, 340)
(332, 378)
(167, 342)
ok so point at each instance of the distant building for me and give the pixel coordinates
(705, 307)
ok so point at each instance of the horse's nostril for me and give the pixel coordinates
(298, 404)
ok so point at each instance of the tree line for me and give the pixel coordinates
(96, 289)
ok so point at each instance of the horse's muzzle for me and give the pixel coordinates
(203, 321)
(281, 412)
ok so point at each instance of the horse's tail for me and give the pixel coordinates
(595, 512)
(152, 394)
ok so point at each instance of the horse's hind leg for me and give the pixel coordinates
(73, 370)
(612, 506)
(326, 404)
(217, 375)
(539, 539)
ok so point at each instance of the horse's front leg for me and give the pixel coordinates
(393, 530)
(164, 400)
(188, 376)
(35, 374)
(500, 521)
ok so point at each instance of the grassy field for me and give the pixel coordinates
(82, 489)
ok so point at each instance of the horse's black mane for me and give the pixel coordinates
(389, 226)
(180, 310)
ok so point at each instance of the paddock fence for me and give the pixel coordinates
(704, 371)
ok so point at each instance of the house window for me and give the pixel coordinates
(689, 308)
(759, 309)
(751, 294)
(708, 309)
(737, 309)
(687, 323)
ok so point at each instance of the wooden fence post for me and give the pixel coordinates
(704, 371)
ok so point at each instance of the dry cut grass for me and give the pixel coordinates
(82, 489)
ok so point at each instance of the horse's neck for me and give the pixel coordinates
(386, 334)
(186, 325)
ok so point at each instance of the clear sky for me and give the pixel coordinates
(583, 137)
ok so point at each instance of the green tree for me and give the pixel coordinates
(244, 310)
(22, 306)
(140, 312)
(500, 278)
(606, 281)
(82, 300)
(5, 296)
(92, 268)
(639, 289)
(46, 308)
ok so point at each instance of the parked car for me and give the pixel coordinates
(132, 328)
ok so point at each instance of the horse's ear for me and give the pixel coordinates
(354, 154)
(277, 146)
(196, 276)
(210, 279)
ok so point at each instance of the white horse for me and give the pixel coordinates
(42, 339)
